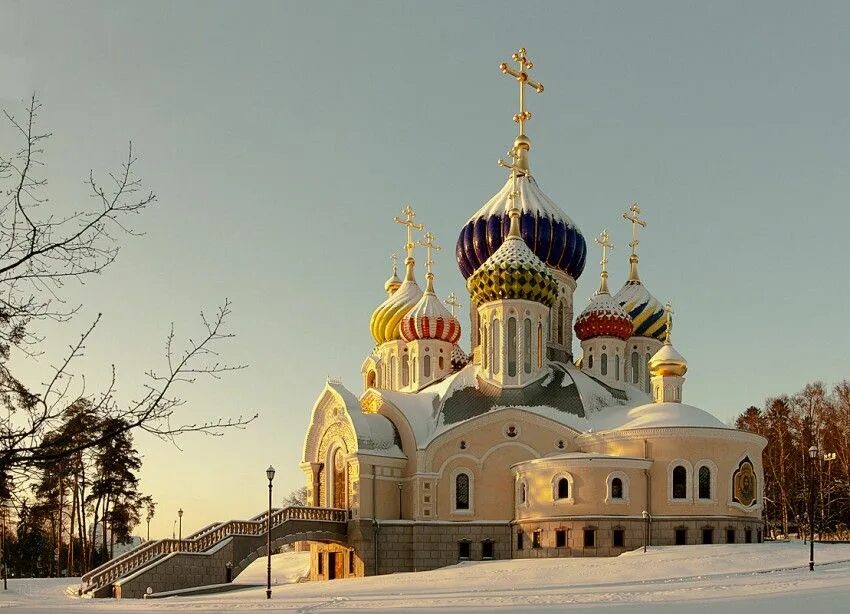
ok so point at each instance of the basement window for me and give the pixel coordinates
(463, 550)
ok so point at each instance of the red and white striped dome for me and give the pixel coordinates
(429, 319)
(603, 318)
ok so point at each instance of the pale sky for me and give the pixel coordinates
(281, 139)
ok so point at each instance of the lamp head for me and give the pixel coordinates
(270, 473)
(180, 512)
(813, 452)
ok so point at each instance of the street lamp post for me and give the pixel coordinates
(270, 476)
(813, 454)
(645, 515)
(180, 529)
(149, 518)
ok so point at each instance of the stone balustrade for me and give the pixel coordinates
(202, 540)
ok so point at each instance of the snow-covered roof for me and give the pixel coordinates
(375, 433)
(654, 415)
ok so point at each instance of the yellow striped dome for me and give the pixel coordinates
(384, 324)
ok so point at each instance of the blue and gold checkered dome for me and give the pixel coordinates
(646, 311)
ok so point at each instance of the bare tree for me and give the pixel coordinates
(43, 246)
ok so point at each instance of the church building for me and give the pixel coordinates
(517, 448)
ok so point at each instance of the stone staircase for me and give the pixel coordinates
(201, 558)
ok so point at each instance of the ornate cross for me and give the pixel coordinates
(522, 77)
(453, 303)
(602, 239)
(430, 246)
(394, 259)
(636, 221)
(668, 314)
(407, 220)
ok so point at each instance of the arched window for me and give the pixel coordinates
(680, 482)
(526, 345)
(617, 367)
(616, 488)
(560, 322)
(371, 379)
(563, 488)
(462, 491)
(495, 349)
(415, 369)
(704, 482)
(646, 370)
(603, 364)
(635, 367)
(440, 363)
(539, 345)
(405, 370)
(426, 365)
(339, 480)
(511, 343)
(590, 361)
(523, 493)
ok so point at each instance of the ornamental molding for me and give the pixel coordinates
(673, 432)
(554, 462)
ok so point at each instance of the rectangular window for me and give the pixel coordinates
(486, 549)
(519, 540)
(560, 538)
(536, 538)
(681, 537)
(351, 562)
(748, 536)
(730, 536)
(320, 563)
(619, 538)
(708, 536)
(590, 538)
(463, 550)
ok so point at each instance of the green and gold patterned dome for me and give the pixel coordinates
(513, 272)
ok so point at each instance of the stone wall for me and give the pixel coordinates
(189, 569)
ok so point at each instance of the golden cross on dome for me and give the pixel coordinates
(430, 246)
(407, 220)
(513, 207)
(453, 303)
(522, 77)
(668, 313)
(394, 259)
(636, 221)
(606, 244)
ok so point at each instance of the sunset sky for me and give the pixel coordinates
(281, 138)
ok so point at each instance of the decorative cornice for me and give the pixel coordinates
(672, 432)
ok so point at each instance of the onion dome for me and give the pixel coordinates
(603, 318)
(513, 272)
(384, 324)
(393, 283)
(646, 311)
(459, 358)
(549, 232)
(429, 319)
(668, 361)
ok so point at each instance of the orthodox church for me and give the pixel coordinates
(518, 449)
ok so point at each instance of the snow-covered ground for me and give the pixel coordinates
(752, 579)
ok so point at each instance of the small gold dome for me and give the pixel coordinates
(667, 361)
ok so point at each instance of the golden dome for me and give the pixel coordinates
(667, 361)
(384, 324)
